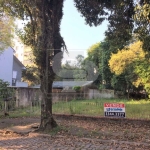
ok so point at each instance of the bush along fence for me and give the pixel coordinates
(7, 97)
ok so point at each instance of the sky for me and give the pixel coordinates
(77, 35)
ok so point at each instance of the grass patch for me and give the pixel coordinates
(134, 109)
(24, 112)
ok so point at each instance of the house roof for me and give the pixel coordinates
(18, 61)
(13, 50)
(63, 84)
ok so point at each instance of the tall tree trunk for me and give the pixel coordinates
(50, 42)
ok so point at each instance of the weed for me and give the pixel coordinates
(72, 110)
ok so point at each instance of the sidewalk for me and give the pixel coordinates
(75, 134)
(43, 142)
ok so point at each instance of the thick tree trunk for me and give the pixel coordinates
(50, 42)
(47, 120)
(47, 77)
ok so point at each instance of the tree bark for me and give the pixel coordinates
(51, 43)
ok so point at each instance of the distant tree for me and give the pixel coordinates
(5, 93)
(130, 64)
(142, 69)
(3, 89)
(99, 54)
(142, 21)
(7, 28)
(119, 83)
(79, 61)
(31, 75)
(66, 72)
(73, 71)
(124, 58)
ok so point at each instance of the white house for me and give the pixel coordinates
(11, 68)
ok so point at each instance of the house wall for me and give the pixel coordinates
(6, 63)
(105, 93)
(21, 84)
(25, 96)
(18, 68)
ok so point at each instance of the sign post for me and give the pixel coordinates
(114, 110)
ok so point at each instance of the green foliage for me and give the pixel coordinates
(125, 17)
(6, 93)
(79, 60)
(120, 18)
(131, 65)
(4, 90)
(142, 20)
(125, 57)
(95, 55)
(7, 28)
(99, 54)
(119, 82)
(77, 88)
(31, 75)
(143, 70)
(67, 71)
(93, 11)
(72, 110)
(73, 71)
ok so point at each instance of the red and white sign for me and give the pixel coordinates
(114, 109)
(114, 105)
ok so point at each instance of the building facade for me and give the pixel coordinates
(11, 68)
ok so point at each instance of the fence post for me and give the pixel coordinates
(5, 106)
(84, 91)
(31, 108)
(17, 98)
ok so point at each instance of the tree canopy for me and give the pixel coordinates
(131, 63)
(7, 28)
(120, 61)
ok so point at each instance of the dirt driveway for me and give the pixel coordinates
(78, 133)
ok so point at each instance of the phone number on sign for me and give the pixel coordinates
(115, 114)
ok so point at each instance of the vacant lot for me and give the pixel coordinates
(134, 109)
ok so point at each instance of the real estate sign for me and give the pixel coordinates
(114, 110)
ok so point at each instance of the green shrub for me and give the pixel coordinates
(77, 88)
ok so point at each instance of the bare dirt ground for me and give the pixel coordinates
(79, 133)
